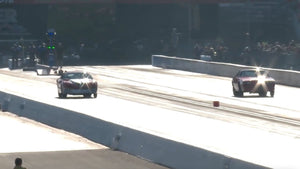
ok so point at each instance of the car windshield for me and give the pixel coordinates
(252, 73)
(76, 76)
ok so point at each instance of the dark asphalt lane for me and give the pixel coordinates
(79, 159)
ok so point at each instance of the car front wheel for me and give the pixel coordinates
(87, 95)
(60, 95)
(272, 93)
(95, 95)
(262, 93)
(237, 93)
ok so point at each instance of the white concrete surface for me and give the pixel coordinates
(19, 134)
(263, 147)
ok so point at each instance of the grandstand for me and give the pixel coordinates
(123, 23)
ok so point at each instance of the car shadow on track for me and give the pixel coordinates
(252, 96)
(75, 97)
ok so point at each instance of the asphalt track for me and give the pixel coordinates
(78, 159)
(261, 126)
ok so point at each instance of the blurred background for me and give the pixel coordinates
(251, 32)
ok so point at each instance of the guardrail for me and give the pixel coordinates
(285, 77)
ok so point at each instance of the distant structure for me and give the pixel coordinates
(236, 21)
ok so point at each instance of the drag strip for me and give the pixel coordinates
(175, 90)
(166, 98)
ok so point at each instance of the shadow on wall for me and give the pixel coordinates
(156, 149)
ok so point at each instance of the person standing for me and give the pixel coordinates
(14, 58)
(197, 50)
(59, 55)
(18, 163)
(174, 41)
(43, 52)
(32, 54)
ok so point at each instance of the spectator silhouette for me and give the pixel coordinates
(59, 55)
(174, 41)
(197, 50)
(43, 51)
(32, 54)
(18, 164)
(15, 56)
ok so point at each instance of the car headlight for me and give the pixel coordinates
(261, 79)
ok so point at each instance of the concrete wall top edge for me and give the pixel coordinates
(284, 77)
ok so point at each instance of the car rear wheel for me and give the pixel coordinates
(95, 95)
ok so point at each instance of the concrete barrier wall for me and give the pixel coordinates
(285, 77)
(156, 149)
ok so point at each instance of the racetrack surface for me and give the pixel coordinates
(262, 122)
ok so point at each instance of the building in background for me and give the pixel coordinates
(131, 27)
